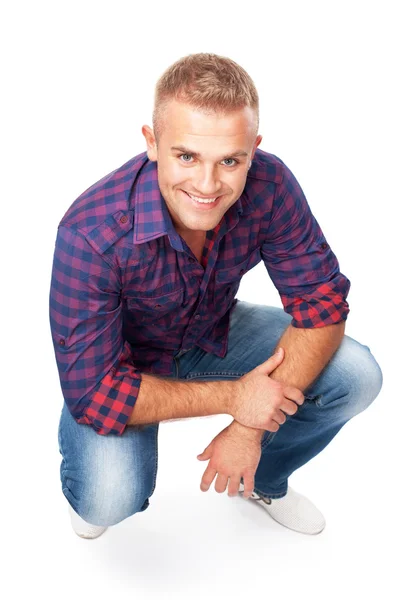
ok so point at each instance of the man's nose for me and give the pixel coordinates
(207, 182)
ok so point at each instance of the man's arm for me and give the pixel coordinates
(162, 399)
(313, 291)
(101, 386)
(307, 352)
(98, 379)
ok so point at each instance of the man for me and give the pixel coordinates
(146, 327)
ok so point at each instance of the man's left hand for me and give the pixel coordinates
(234, 453)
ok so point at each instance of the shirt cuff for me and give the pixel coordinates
(325, 306)
(113, 399)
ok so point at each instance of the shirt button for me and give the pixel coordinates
(197, 317)
(324, 246)
(123, 219)
(62, 342)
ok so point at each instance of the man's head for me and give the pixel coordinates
(205, 124)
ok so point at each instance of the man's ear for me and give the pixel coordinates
(151, 143)
(257, 143)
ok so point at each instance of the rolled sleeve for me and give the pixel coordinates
(300, 262)
(99, 381)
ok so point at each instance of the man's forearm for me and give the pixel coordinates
(162, 399)
(307, 352)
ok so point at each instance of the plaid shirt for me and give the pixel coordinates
(127, 293)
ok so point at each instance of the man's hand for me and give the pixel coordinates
(261, 402)
(234, 453)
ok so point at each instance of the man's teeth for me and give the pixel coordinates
(202, 200)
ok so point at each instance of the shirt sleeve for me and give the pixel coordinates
(300, 262)
(100, 383)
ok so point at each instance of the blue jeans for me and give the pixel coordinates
(109, 478)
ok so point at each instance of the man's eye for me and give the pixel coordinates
(190, 156)
(235, 161)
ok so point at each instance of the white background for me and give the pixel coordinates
(78, 81)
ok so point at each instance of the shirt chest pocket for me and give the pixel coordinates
(147, 309)
(227, 280)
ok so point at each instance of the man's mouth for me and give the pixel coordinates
(202, 200)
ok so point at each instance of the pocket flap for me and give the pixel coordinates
(157, 305)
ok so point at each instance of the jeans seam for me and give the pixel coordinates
(60, 438)
(267, 440)
(233, 374)
(155, 462)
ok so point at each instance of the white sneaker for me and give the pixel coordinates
(84, 529)
(293, 511)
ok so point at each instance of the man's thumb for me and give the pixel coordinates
(274, 361)
(205, 455)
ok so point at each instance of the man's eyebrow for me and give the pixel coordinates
(192, 153)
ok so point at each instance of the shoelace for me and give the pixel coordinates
(259, 498)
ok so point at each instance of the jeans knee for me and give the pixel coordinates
(113, 511)
(104, 491)
(367, 380)
(106, 479)
(102, 507)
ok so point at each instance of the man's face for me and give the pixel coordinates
(197, 154)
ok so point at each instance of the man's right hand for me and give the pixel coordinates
(261, 402)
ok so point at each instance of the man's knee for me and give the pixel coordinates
(364, 375)
(105, 509)
(108, 502)
(106, 489)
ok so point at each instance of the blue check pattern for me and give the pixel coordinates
(127, 293)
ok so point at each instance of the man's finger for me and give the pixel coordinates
(233, 487)
(294, 394)
(221, 483)
(207, 478)
(248, 483)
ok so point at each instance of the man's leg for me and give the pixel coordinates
(347, 386)
(106, 478)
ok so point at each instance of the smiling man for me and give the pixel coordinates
(202, 162)
(146, 327)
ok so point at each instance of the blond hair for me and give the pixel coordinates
(207, 82)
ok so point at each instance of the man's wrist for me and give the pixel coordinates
(232, 395)
(250, 432)
(233, 400)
